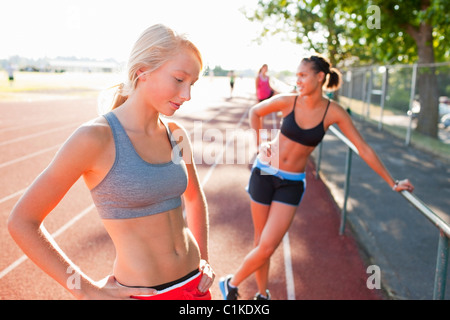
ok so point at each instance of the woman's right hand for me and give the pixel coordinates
(265, 149)
(109, 289)
(403, 185)
(268, 153)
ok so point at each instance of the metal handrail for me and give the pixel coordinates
(444, 228)
(427, 212)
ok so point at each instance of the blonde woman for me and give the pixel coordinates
(137, 174)
(277, 182)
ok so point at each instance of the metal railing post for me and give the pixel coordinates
(441, 267)
(411, 102)
(383, 97)
(348, 167)
(319, 158)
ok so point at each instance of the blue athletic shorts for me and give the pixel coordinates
(269, 184)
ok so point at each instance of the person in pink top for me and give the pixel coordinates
(263, 89)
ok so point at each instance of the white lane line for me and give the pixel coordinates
(13, 195)
(290, 287)
(28, 156)
(34, 135)
(58, 232)
(13, 265)
(220, 155)
(49, 123)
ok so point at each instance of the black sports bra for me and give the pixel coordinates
(308, 137)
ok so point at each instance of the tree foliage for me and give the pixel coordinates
(343, 29)
(368, 32)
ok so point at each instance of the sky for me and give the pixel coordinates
(102, 29)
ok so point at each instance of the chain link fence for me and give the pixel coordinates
(389, 95)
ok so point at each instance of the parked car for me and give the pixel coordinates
(415, 109)
(444, 107)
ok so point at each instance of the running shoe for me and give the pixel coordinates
(228, 292)
(259, 296)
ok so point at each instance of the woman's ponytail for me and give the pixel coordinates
(333, 80)
(120, 97)
(111, 98)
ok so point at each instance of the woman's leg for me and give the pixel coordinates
(260, 213)
(278, 222)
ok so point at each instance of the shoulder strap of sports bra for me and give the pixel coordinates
(176, 150)
(326, 110)
(169, 133)
(295, 102)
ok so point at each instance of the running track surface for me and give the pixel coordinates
(313, 261)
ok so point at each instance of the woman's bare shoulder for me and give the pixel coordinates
(337, 109)
(337, 114)
(95, 133)
(285, 102)
(287, 98)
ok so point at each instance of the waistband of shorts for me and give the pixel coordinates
(282, 174)
(171, 285)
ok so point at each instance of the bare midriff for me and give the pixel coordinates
(152, 250)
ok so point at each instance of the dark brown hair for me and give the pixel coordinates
(333, 77)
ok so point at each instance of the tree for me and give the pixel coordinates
(311, 24)
(412, 31)
(408, 31)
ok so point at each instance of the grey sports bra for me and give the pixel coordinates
(135, 188)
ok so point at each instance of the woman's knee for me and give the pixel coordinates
(256, 239)
(266, 250)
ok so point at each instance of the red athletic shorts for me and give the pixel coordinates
(184, 290)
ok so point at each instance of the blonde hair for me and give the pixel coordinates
(156, 45)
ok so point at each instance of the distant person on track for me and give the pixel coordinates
(10, 71)
(277, 182)
(263, 89)
(132, 162)
(232, 81)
